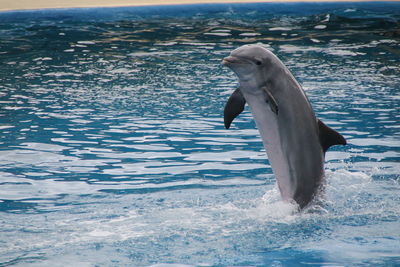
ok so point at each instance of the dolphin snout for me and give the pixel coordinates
(230, 60)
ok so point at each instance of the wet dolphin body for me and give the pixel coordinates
(295, 140)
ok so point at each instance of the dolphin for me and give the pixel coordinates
(295, 139)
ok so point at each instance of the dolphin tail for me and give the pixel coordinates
(233, 107)
(329, 137)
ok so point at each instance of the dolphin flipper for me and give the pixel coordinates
(233, 107)
(329, 137)
(271, 100)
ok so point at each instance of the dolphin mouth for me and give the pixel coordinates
(231, 60)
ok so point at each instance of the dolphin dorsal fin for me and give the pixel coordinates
(233, 107)
(329, 137)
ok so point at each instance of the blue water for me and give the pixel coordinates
(113, 150)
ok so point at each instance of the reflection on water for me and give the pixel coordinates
(113, 150)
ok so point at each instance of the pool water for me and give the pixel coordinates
(114, 153)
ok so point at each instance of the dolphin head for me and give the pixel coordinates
(250, 63)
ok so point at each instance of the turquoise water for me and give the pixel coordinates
(113, 149)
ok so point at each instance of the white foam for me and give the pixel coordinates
(272, 208)
(100, 233)
(344, 179)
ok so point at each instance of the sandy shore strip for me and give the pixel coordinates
(7, 5)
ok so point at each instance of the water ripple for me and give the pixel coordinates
(113, 149)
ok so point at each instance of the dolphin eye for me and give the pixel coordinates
(258, 62)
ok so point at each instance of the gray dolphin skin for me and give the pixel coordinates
(295, 140)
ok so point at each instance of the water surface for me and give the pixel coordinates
(113, 150)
